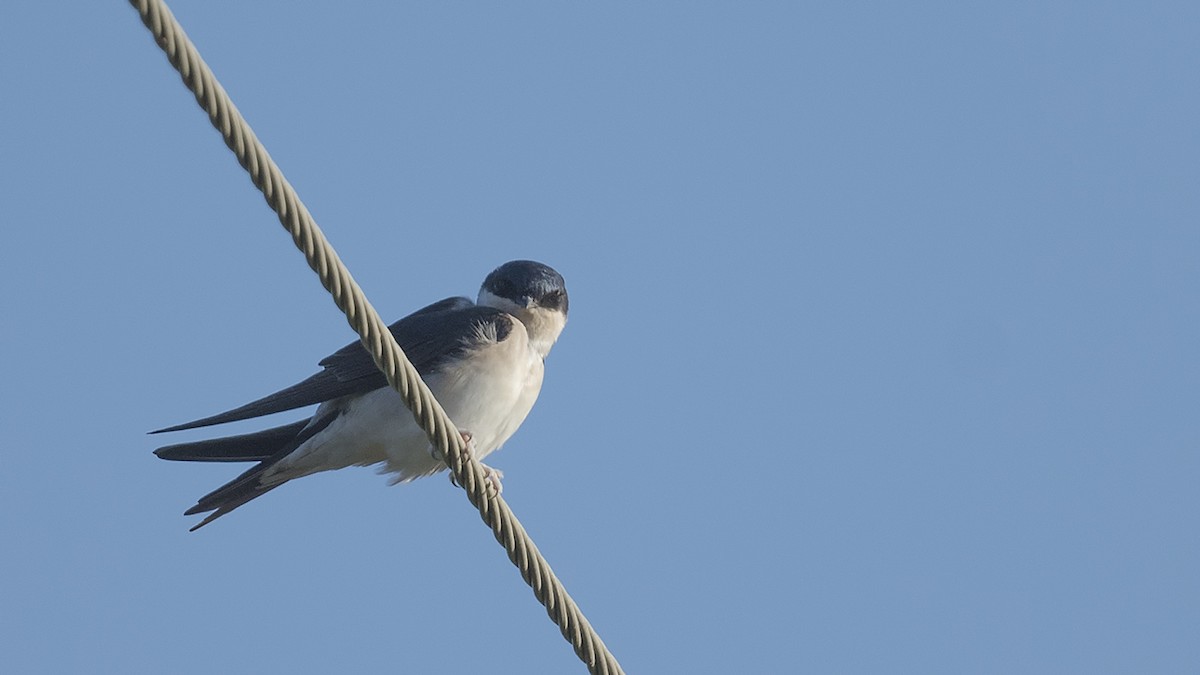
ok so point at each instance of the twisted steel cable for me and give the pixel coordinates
(362, 317)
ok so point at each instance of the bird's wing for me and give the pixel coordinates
(428, 336)
(428, 339)
(252, 447)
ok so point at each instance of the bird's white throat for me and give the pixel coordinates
(542, 325)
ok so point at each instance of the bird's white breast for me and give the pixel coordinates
(488, 393)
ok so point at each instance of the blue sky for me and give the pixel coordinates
(883, 353)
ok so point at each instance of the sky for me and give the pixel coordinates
(883, 357)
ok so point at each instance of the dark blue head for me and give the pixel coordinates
(527, 284)
(532, 292)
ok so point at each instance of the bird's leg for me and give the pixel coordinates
(437, 453)
(467, 441)
(493, 476)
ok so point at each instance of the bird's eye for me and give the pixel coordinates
(552, 300)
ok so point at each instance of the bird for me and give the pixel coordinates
(483, 361)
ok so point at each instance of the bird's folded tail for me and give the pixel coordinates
(267, 447)
(232, 495)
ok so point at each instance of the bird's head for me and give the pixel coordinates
(532, 292)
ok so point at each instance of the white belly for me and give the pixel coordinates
(488, 395)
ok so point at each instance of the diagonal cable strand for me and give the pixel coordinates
(347, 295)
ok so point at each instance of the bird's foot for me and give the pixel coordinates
(492, 476)
(468, 441)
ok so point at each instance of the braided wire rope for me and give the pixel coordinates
(362, 317)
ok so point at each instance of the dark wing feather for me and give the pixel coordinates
(428, 340)
(252, 447)
(429, 337)
(319, 388)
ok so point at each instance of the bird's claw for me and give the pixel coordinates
(492, 476)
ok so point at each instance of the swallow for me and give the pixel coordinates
(483, 361)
